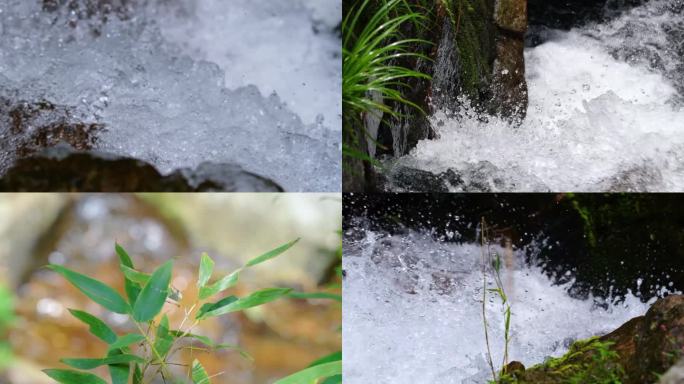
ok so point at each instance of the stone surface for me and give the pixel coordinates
(61, 169)
(511, 15)
(30, 127)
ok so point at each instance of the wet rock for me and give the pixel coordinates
(509, 90)
(63, 169)
(636, 353)
(27, 128)
(482, 176)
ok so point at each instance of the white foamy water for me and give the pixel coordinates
(150, 80)
(412, 312)
(604, 114)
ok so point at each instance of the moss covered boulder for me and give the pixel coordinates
(638, 352)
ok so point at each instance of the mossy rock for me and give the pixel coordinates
(637, 352)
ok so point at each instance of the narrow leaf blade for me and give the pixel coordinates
(132, 288)
(126, 340)
(96, 326)
(153, 295)
(272, 253)
(316, 372)
(205, 271)
(221, 285)
(257, 298)
(68, 376)
(199, 374)
(94, 289)
(94, 363)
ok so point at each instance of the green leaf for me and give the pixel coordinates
(337, 379)
(67, 376)
(132, 288)
(257, 298)
(327, 359)
(94, 363)
(137, 375)
(221, 285)
(126, 340)
(163, 340)
(209, 343)
(271, 254)
(199, 375)
(94, 289)
(206, 268)
(119, 372)
(134, 275)
(315, 295)
(153, 295)
(212, 306)
(123, 256)
(96, 326)
(313, 373)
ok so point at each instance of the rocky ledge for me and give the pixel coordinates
(646, 349)
(63, 169)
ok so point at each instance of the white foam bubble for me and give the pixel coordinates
(403, 324)
(596, 119)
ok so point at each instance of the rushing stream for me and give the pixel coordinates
(177, 83)
(413, 309)
(605, 113)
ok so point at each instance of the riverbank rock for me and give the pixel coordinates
(61, 169)
(27, 128)
(635, 353)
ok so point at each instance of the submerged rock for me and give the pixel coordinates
(636, 353)
(62, 169)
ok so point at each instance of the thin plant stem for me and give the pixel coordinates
(484, 243)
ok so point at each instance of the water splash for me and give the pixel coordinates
(412, 311)
(605, 113)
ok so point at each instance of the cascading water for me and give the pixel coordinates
(605, 113)
(177, 83)
(413, 310)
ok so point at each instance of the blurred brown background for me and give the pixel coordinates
(79, 231)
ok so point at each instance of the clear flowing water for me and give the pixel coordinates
(179, 82)
(413, 311)
(605, 113)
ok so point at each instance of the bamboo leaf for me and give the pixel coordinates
(163, 340)
(315, 295)
(221, 285)
(316, 372)
(205, 271)
(257, 298)
(199, 374)
(119, 372)
(94, 363)
(137, 375)
(335, 356)
(212, 306)
(96, 326)
(134, 275)
(94, 289)
(126, 340)
(132, 288)
(209, 343)
(271, 254)
(153, 295)
(68, 376)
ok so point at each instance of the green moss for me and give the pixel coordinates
(475, 43)
(587, 361)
